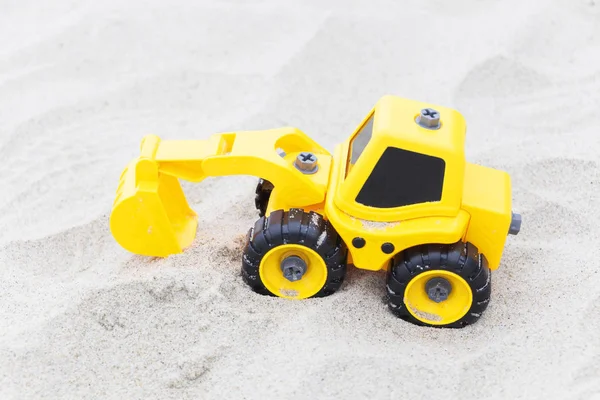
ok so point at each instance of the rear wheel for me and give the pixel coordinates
(295, 255)
(262, 196)
(439, 285)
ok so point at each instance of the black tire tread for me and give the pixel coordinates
(461, 258)
(262, 196)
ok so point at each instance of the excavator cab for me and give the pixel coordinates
(397, 169)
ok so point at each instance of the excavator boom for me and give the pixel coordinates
(151, 215)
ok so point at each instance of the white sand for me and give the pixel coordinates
(82, 82)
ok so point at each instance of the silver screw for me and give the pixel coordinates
(293, 268)
(438, 289)
(429, 118)
(307, 162)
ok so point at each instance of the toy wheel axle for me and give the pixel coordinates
(293, 268)
(438, 289)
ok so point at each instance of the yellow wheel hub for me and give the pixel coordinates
(311, 282)
(423, 308)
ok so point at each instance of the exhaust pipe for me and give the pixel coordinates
(515, 224)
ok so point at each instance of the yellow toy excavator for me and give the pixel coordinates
(397, 195)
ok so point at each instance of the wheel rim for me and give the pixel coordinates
(424, 309)
(272, 276)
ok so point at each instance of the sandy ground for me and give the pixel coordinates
(82, 82)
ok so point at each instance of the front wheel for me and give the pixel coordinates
(439, 285)
(295, 255)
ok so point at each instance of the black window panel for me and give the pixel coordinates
(401, 178)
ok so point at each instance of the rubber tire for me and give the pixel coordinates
(263, 194)
(294, 227)
(461, 258)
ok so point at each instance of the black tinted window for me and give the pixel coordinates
(403, 177)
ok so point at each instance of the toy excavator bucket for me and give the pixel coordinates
(150, 214)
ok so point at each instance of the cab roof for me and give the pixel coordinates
(395, 118)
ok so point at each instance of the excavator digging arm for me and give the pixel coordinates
(151, 215)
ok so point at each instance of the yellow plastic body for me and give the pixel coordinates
(151, 217)
(475, 205)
